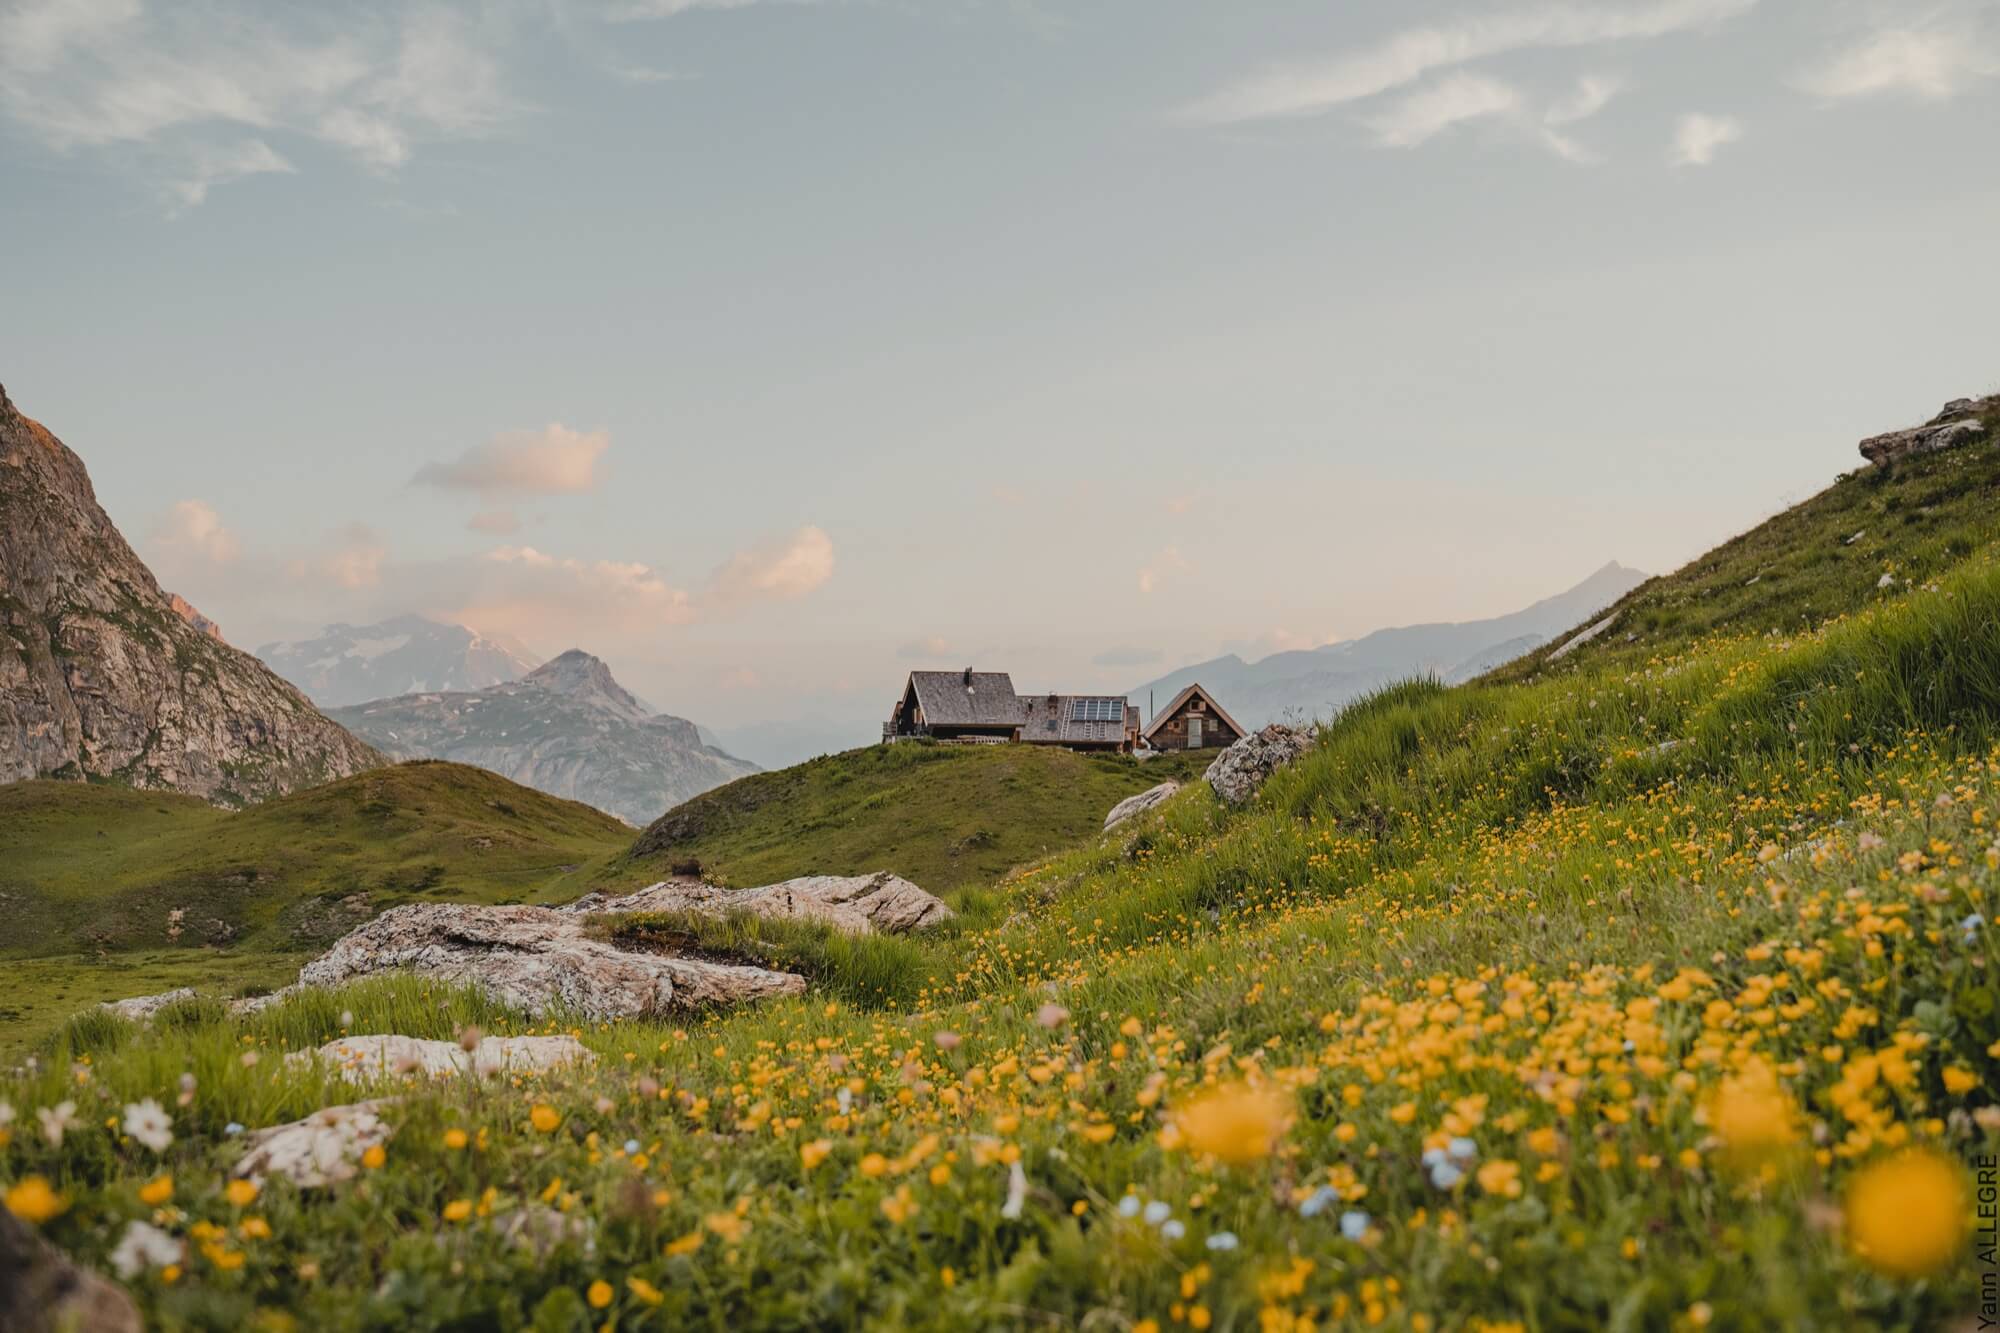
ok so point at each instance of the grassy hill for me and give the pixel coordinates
(944, 816)
(1647, 990)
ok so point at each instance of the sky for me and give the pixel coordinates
(770, 348)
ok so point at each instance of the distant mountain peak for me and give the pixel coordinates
(405, 654)
(583, 675)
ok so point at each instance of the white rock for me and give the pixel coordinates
(859, 904)
(141, 1008)
(362, 1058)
(321, 1149)
(1133, 806)
(1239, 771)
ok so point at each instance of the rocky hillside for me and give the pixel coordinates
(566, 728)
(351, 664)
(102, 678)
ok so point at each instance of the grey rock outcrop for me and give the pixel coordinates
(141, 1008)
(566, 728)
(41, 1291)
(1962, 421)
(858, 904)
(1134, 806)
(537, 959)
(1240, 771)
(322, 1149)
(359, 1059)
(101, 678)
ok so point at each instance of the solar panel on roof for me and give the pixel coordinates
(1096, 710)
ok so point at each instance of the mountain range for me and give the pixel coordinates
(351, 664)
(567, 728)
(104, 677)
(1313, 683)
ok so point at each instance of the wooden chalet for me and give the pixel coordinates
(981, 707)
(1193, 720)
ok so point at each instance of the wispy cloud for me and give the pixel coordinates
(193, 528)
(1168, 564)
(660, 9)
(1437, 106)
(1410, 55)
(777, 571)
(1697, 138)
(176, 80)
(933, 648)
(554, 460)
(1933, 63)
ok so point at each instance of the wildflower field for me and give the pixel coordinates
(1655, 992)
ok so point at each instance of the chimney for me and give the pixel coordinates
(968, 678)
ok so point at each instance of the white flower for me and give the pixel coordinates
(1354, 1224)
(1129, 1206)
(1173, 1228)
(1465, 1149)
(1017, 1191)
(631, 1147)
(149, 1123)
(142, 1247)
(1157, 1212)
(56, 1121)
(1222, 1240)
(233, 1128)
(6, 1114)
(1319, 1201)
(1444, 1175)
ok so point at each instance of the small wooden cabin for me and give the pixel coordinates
(1192, 721)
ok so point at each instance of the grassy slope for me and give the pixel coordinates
(1547, 917)
(942, 816)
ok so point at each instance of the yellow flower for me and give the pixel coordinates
(240, 1193)
(644, 1290)
(156, 1191)
(726, 1225)
(874, 1164)
(1403, 1112)
(1906, 1214)
(374, 1157)
(1752, 1115)
(600, 1294)
(32, 1200)
(544, 1117)
(687, 1244)
(812, 1154)
(899, 1207)
(1958, 1081)
(455, 1138)
(1501, 1177)
(1236, 1123)
(458, 1210)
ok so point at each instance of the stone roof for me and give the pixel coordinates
(967, 698)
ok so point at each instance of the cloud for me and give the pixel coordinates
(1167, 564)
(554, 460)
(173, 80)
(929, 649)
(1698, 136)
(1180, 504)
(777, 571)
(660, 9)
(1409, 55)
(519, 589)
(1132, 657)
(193, 528)
(1933, 64)
(354, 561)
(1437, 106)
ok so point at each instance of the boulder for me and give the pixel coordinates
(41, 1290)
(858, 904)
(537, 959)
(1882, 450)
(141, 1008)
(322, 1149)
(1239, 771)
(1133, 806)
(360, 1059)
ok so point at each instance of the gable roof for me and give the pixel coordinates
(1174, 706)
(967, 698)
(1051, 720)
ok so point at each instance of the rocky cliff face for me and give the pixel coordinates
(102, 678)
(567, 728)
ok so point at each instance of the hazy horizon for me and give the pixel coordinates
(766, 350)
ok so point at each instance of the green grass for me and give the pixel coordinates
(943, 816)
(1556, 918)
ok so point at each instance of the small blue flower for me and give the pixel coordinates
(232, 1129)
(1464, 1150)
(1354, 1224)
(1972, 924)
(1173, 1230)
(1433, 1156)
(1157, 1212)
(1222, 1240)
(1319, 1201)
(631, 1147)
(1444, 1175)
(1129, 1206)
